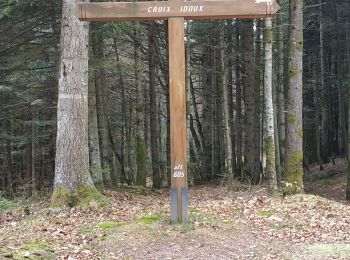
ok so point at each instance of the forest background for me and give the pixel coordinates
(228, 103)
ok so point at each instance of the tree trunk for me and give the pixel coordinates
(100, 88)
(227, 144)
(207, 116)
(269, 113)
(94, 145)
(30, 151)
(153, 105)
(140, 110)
(189, 122)
(317, 117)
(280, 104)
(239, 117)
(73, 184)
(324, 93)
(251, 165)
(341, 96)
(348, 94)
(294, 134)
(231, 89)
(259, 120)
(9, 169)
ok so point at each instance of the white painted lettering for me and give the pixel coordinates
(191, 8)
(179, 171)
(183, 9)
(158, 9)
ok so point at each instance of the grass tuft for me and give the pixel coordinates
(110, 224)
(265, 213)
(149, 219)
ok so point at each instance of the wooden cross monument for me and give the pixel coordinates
(176, 11)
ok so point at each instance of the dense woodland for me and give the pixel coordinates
(266, 98)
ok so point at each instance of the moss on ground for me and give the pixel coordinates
(183, 227)
(265, 213)
(8, 205)
(110, 224)
(35, 249)
(327, 182)
(329, 250)
(149, 219)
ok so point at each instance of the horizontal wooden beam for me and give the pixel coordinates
(190, 10)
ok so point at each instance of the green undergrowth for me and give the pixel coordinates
(35, 249)
(87, 230)
(194, 210)
(9, 205)
(110, 224)
(139, 190)
(149, 219)
(327, 182)
(265, 213)
(183, 227)
(329, 250)
(84, 196)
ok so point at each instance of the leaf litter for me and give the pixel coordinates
(223, 224)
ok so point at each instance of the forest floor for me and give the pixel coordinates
(225, 222)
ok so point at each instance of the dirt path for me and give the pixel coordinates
(224, 224)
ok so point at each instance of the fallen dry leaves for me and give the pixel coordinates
(76, 233)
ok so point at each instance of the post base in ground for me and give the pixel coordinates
(179, 213)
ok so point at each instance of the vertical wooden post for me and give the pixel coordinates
(178, 136)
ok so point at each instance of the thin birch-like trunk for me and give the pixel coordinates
(269, 113)
(227, 144)
(94, 146)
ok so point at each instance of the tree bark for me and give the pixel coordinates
(293, 181)
(317, 117)
(207, 116)
(153, 105)
(73, 184)
(280, 104)
(269, 113)
(140, 110)
(94, 145)
(239, 116)
(227, 144)
(100, 87)
(251, 165)
(324, 92)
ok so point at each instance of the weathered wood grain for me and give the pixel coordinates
(177, 92)
(159, 10)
